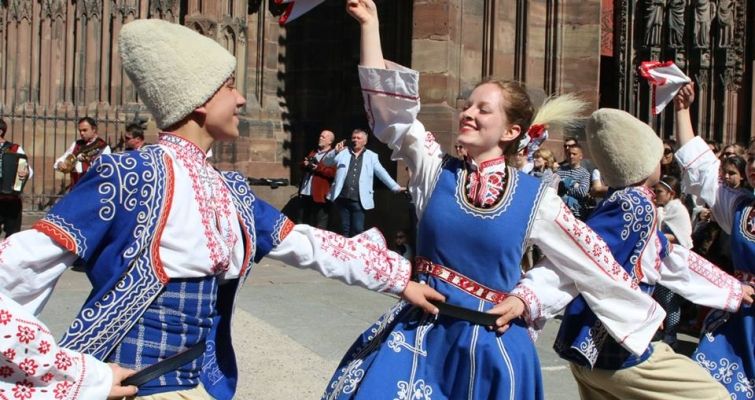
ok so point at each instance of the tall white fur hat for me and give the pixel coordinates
(625, 149)
(175, 69)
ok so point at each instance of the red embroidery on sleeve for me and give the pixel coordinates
(28, 366)
(44, 347)
(9, 354)
(62, 360)
(591, 245)
(23, 390)
(6, 371)
(25, 334)
(62, 390)
(5, 317)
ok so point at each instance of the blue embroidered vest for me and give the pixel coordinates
(484, 244)
(625, 220)
(743, 236)
(113, 219)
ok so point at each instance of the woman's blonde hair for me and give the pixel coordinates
(547, 155)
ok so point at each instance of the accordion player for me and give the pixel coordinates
(14, 171)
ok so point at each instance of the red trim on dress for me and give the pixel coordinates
(57, 234)
(157, 263)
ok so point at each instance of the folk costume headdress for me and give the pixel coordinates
(175, 69)
(558, 112)
(625, 149)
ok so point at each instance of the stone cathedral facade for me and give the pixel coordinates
(59, 61)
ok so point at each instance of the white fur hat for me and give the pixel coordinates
(175, 69)
(625, 149)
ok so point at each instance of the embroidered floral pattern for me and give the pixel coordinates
(486, 191)
(388, 271)
(25, 334)
(213, 200)
(717, 277)
(592, 245)
(534, 306)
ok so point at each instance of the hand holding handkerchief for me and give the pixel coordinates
(666, 79)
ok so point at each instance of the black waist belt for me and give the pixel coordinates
(473, 316)
(161, 368)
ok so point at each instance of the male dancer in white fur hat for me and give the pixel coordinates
(168, 240)
(626, 220)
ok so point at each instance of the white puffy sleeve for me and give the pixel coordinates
(362, 260)
(33, 367)
(391, 100)
(700, 177)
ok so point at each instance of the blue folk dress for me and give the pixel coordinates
(727, 345)
(408, 354)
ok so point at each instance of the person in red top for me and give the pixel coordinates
(10, 202)
(316, 182)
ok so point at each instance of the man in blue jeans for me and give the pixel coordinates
(352, 188)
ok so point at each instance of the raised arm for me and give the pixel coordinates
(365, 12)
(682, 103)
(700, 167)
(391, 101)
(363, 260)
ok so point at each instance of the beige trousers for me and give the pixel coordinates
(198, 393)
(666, 375)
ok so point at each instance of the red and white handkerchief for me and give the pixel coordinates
(666, 79)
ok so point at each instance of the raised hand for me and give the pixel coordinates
(364, 11)
(685, 97)
(509, 309)
(420, 295)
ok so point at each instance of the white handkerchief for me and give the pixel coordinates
(296, 8)
(666, 79)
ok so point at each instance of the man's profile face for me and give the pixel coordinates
(221, 111)
(86, 131)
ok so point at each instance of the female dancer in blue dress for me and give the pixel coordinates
(476, 216)
(727, 346)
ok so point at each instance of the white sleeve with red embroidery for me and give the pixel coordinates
(629, 315)
(391, 100)
(700, 177)
(696, 279)
(33, 367)
(363, 260)
(546, 290)
(31, 263)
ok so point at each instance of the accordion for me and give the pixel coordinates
(9, 181)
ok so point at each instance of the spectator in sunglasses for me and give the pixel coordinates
(669, 166)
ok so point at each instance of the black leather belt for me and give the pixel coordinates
(161, 368)
(473, 316)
